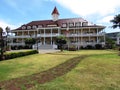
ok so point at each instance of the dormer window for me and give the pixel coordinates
(34, 27)
(64, 25)
(77, 24)
(71, 24)
(39, 26)
(28, 27)
(23, 27)
(85, 24)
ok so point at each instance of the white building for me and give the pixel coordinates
(114, 36)
(79, 32)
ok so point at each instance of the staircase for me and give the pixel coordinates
(44, 46)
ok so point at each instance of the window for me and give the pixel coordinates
(23, 27)
(85, 24)
(71, 24)
(39, 26)
(54, 25)
(34, 27)
(28, 27)
(77, 24)
(64, 25)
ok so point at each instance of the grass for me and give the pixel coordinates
(99, 71)
(96, 72)
(28, 65)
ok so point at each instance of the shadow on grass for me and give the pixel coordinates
(42, 77)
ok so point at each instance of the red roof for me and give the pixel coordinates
(45, 23)
(55, 11)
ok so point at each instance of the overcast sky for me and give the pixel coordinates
(14, 13)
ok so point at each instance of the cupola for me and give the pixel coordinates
(55, 14)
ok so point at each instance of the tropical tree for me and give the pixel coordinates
(7, 40)
(116, 21)
(110, 43)
(60, 41)
(1, 45)
(30, 41)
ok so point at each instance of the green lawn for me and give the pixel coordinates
(28, 65)
(99, 71)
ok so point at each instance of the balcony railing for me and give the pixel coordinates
(57, 34)
(16, 44)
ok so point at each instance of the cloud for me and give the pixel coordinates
(4, 24)
(89, 7)
(106, 19)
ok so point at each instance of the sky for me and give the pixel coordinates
(14, 13)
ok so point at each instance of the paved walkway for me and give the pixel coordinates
(43, 51)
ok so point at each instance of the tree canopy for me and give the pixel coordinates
(116, 21)
(60, 41)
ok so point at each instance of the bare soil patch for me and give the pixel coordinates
(42, 77)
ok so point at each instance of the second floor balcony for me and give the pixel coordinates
(57, 34)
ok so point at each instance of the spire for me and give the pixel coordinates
(55, 11)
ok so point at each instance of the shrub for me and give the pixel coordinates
(72, 48)
(98, 46)
(19, 54)
(89, 47)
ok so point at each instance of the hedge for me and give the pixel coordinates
(19, 54)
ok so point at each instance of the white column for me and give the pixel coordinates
(89, 35)
(34, 33)
(51, 36)
(97, 35)
(81, 37)
(28, 33)
(74, 34)
(44, 36)
(58, 31)
(17, 39)
(22, 33)
(117, 40)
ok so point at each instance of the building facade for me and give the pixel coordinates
(79, 32)
(115, 36)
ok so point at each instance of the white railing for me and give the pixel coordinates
(16, 44)
(72, 35)
(57, 34)
(88, 43)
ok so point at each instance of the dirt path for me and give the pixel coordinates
(42, 77)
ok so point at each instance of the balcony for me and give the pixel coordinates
(16, 44)
(85, 35)
(88, 43)
(57, 34)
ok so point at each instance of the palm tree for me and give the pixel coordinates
(8, 31)
(116, 21)
(1, 44)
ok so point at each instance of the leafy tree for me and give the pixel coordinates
(110, 43)
(30, 41)
(60, 41)
(116, 21)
